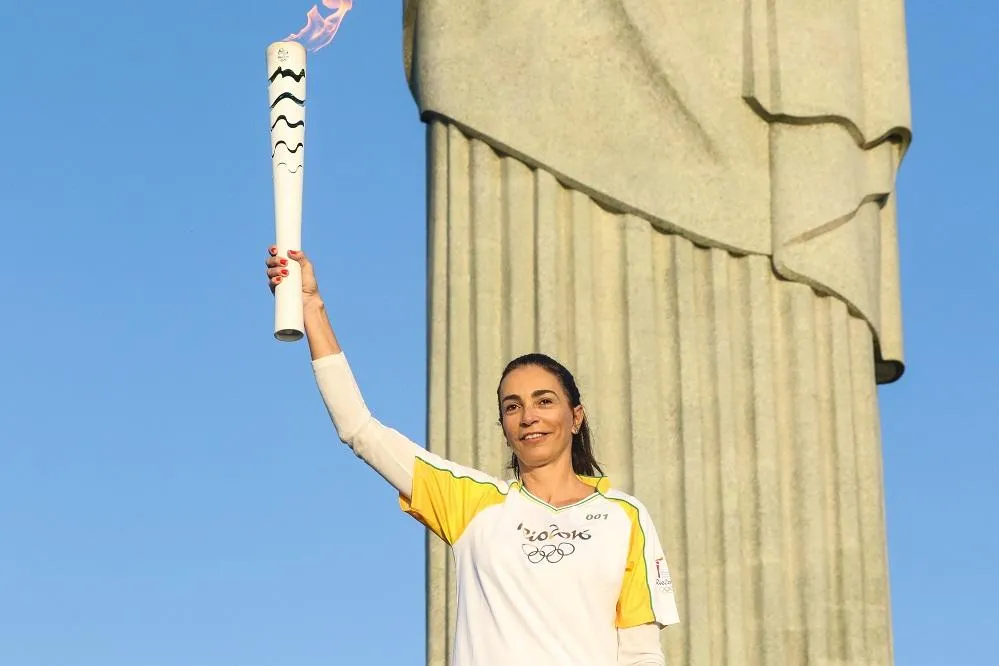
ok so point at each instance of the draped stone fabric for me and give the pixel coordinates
(771, 127)
(741, 408)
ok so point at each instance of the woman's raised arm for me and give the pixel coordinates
(387, 451)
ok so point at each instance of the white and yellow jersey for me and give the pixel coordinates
(536, 584)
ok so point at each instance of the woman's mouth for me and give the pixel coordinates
(534, 437)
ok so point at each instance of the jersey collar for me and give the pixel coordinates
(600, 484)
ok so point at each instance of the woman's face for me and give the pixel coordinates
(538, 420)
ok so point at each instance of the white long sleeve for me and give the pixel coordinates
(387, 451)
(639, 646)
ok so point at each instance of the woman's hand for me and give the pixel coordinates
(277, 270)
(318, 331)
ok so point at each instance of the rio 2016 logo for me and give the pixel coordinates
(551, 544)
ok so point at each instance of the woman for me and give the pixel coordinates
(553, 567)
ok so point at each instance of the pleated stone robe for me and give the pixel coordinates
(729, 379)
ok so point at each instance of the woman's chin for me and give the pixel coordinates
(533, 458)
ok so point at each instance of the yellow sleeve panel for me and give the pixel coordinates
(446, 497)
(634, 605)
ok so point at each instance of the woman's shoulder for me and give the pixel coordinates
(458, 473)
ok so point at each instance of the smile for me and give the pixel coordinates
(534, 436)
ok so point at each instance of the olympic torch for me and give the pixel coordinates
(286, 65)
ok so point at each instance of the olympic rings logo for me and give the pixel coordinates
(548, 553)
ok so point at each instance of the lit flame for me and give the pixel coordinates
(320, 31)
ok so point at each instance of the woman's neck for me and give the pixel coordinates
(555, 484)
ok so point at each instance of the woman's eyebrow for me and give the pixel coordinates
(534, 394)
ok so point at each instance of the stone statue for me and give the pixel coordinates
(691, 205)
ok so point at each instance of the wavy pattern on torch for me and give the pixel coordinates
(287, 95)
(287, 147)
(739, 407)
(291, 125)
(287, 73)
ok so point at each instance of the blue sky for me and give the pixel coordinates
(171, 491)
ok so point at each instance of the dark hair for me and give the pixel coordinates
(583, 461)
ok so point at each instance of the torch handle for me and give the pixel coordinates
(289, 324)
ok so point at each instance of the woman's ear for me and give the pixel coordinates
(578, 416)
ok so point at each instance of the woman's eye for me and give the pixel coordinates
(511, 407)
(546, 401)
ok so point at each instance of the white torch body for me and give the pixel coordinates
(286, 67)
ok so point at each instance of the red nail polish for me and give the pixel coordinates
(285, 272)
(284, 262)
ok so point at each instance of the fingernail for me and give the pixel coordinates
(273, 249)
(284, 262)
(277, 279)
(284, 272)
(292, 251)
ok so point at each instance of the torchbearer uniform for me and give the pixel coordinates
(537, 584)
